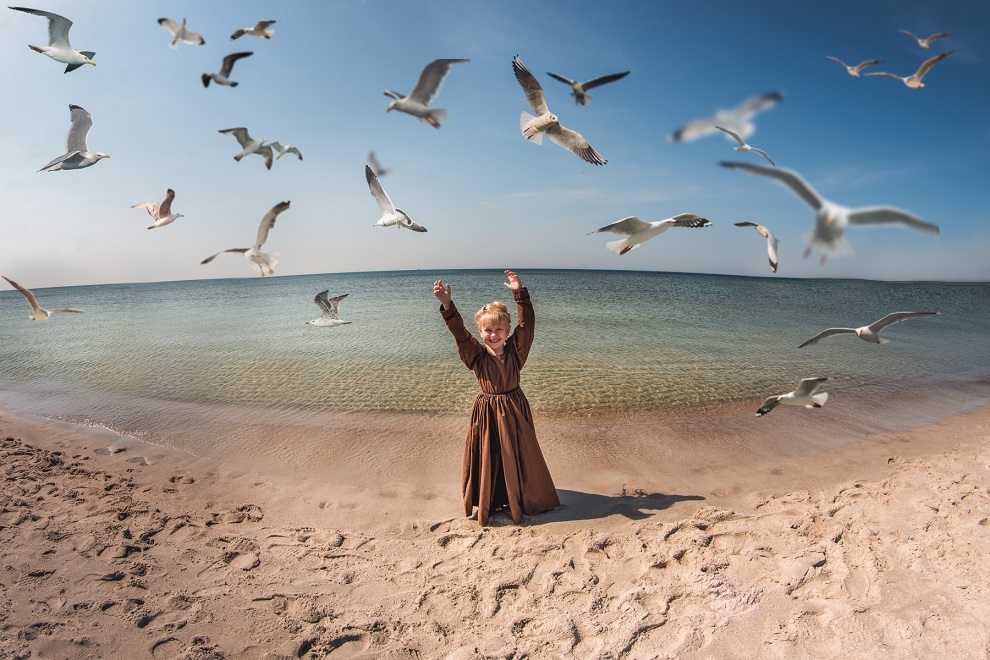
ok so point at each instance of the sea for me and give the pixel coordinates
(226, 366)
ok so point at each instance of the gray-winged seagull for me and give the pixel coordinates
(738, 119)
(59, 48)
(329, 309)
(38, 313)
(259, 260)
(806, 395)
(223, 77)
(854, 70)
(260, 29)
(180, 33)
(417, 104)
(745, 147)
(250, 145)
(871, 332)
(771, 241)
(160, 212)
(579, 89)
(638, 232)
(914, 80)
(927, 41)
(391, 216)
(77, 155)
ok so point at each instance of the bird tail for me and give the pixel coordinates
(533, 136)
(584, 100)
(620, 246)
(234, 84)
(818, 400)
(238, 157)
(882, 340)
(36, 49)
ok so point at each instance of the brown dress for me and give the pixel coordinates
(503, 464)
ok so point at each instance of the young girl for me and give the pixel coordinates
(503, 464)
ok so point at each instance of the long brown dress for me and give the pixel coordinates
(503, 463)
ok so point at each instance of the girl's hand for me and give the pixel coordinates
(442, 292)
(514, 283)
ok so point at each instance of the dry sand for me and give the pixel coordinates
(116, 549)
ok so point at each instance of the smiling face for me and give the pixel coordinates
(493, 334)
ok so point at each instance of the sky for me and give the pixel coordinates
(488, 197)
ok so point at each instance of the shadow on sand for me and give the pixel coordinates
(633, 504)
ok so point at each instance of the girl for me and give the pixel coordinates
(503, 464)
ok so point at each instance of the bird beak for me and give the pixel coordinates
(91, 62)
(388, 109)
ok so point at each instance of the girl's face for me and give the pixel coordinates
(493, 335)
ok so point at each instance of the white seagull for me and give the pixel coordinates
(914, 80)
(638, 232)
(58, 47)
(417, 104)
(805, 395)
(771, 241)
(745, 147)
(578, 89)
(160, 212)
(391, 216)
(329, 309)
(871, 332)
(831, 219)
(533, 128)
(77, 155)
(38, 313)
(250, 145)
(739, 119)
(223, 78)
(260, 29)
(259, 260)
(179, 33)
(927, 41)
(287, 149)
(376, 166)
(854, 70)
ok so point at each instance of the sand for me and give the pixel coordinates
(112, 548)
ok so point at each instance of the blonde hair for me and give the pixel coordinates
(494, 312)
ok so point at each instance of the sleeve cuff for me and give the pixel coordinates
(521, 294)
(450, 312)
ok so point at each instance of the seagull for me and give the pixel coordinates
(329, 308)
(926, 42)
(179, 33)
(77, 155)
(914, 80)
(376, 166)
(287, 149)
(223, 78)
(804, 395)
(831, 219)
(771, 241)
(745, 147)
(579, 89)
(258, 258)
(58, 47)
(738, 119)
(251, 146)
(854, 70)
(533, 128)
(871, 332)
(391, 216)
(161, 213)
(259, 30)
(638, 232)
(38, 313)
(428, 86)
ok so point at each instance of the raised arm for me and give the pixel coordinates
(468, 347)
(523, 334)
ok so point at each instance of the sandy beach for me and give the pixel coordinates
(113, 548)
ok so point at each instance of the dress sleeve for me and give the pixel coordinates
(468, 347)
(523, 334)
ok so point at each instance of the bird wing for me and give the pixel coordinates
(170, 25)
(772, 250)
(557, 76)
(431, 79)
(807, 386)
(628, 226)
(696, 129)
(166, 206)
(384, 202)
(24, 292)
(80, 122)
(335, 302)
(884, 74)
(214, 256)
(872, 215)
(263, 25)
(690, 220)
(394, 95)
(764, 154)
(746, 224)
(836, 59)
(864, 64)
(323, 302)
(734, 135)
(150, 207)
(940, 35)
(601, 80)
(531, 87)
(193, 38)
(228, 62)
(407, 222)
(293, 150)
(828, 333)
(58, 26)
(768, 404)
(891, 319)
(67, 309)
(575, 142)
(266, 153)
(785, 177)
(929, 63)
(759, 103)
(268, 222)
(910, 34)
(241, 134)
(238, 33)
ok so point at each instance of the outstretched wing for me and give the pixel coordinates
(808, 386)
(759, 103)
(575, 142)
(927, 64)
(228, 62)
(431, 79)
(601, 80)
(531, 87)
(768, 404)
(873, 215)
(785, 177)
(828, 333)
(323, 302)
(214, 256)
(24, 292)
(895, 317)
(80, 123)
(408, 223)
(384, 202)
(268, 222)
(165, 208)
(58, 26)
(734, 135)
(169, 25)
(241, 134)
(628, 226)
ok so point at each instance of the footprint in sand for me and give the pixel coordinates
(243, 513)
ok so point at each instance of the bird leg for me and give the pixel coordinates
(432, 121)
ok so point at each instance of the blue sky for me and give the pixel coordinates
(489, 198)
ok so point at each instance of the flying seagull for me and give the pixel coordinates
(871, 332)
(533, 128)
(391, 216)
(637, 232)
(179, 33)
(160, 212)
(38, 313)
(578, 89)
(854, 70)
(914, 80)
(329, 309)
(259, 260)
(805, 395)
(376, 166)
(223, 78)
(771, 241)
(739, 119)
(250, 145)
(927, 41)
(831, 219)
(745, 147)
(287, 149)
(417, 104)
(77, 155)
(58, 47)
(260, 29)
